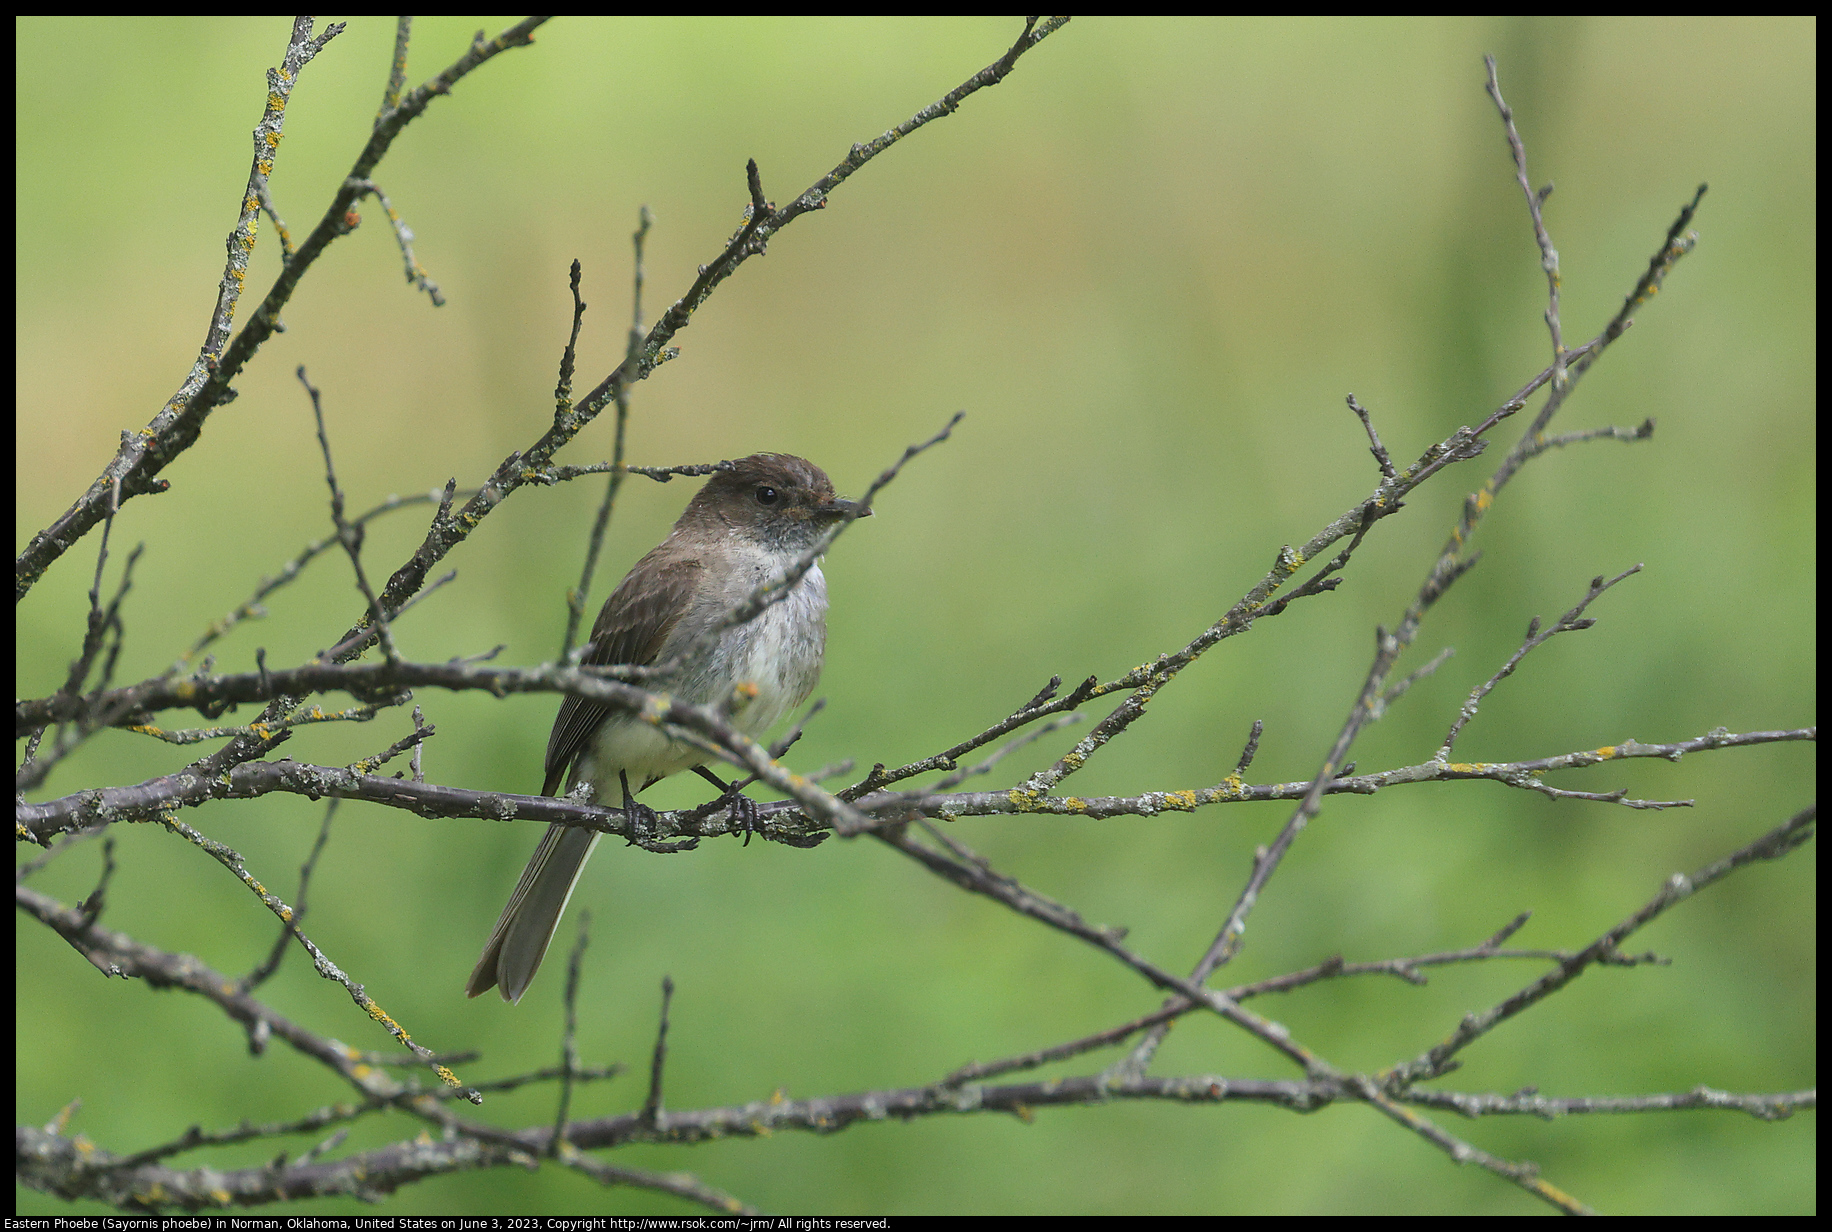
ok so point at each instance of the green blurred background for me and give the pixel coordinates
(1149, 266)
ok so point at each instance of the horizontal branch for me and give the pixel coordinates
(1775, 1107)
(680, 719)
(1522, 774)
(786, 820)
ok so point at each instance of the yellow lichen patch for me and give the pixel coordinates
(1606, 752)
(380, 1015)
(1022, 800)
(1073, 804)
(1183, 800)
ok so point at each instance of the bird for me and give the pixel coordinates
(747, 526)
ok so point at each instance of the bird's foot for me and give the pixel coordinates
(743, 814)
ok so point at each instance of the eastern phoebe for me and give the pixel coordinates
(747, 526)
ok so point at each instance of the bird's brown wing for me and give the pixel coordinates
(632, 628)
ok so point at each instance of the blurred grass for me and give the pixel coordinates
(1149, 266)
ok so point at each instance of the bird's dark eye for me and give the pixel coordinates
(767, 495)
